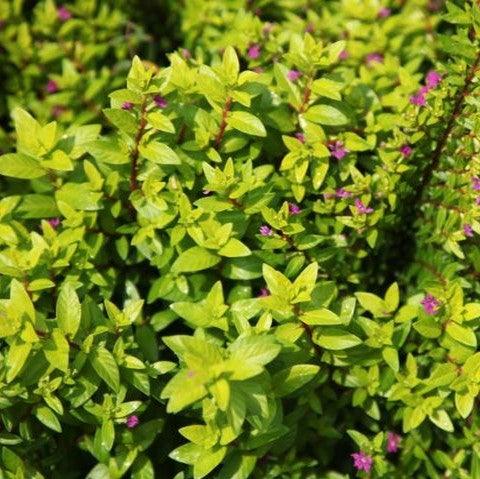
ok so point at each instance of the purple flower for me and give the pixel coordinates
(418, 99)
(467, 230)
(264, 292)
(337, 150)
(132, 422)
(300, 136)
(54, 222)
(160, 101)
(294, 209)
(432, 79)
(51, 86)
(393, 442)
(266, 230)
(63, 13)
(430, 304)
(362, 461)
(406, 150)
(343, 55)
(476, 183)
(254, 51)
(342, 193)
(384, 12)
(374, 58)
(57, 110)
(361, 208)
(127, 105)
(294, 75)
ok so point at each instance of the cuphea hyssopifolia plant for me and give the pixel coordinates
(199, 202)
(61, 61)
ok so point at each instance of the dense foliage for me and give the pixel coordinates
(255, 257)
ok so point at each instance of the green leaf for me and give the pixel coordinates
(208, 461)
(46, 416)
(277, 283)
(372, 303)
(327, 88)
(461, 334)
(442, 420)
(320, 317)
(464, 404)
(336, 339)
(234, 249)
(195, 259)
(159, 153)
(106, 367)
(18, 165)
(246, 123)
(230, 64)
(16, 358)
(392, 297)
(290, 379)
(326, 115)
(428, 327)
(68, 310)
(160, 122)
(109, 150)
(122, 119)
(391, 358)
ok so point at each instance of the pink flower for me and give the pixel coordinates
(186, 53)
(477, 200)
(132, 422)
(384, 12)
(374, 58)
(406, 150)
(432, 79)
(264, 292)
(418, 99)
(430, 304)
(361, 208)
(393, 442)
(63, 13)
(127, 105)
(300, 136)
(342, 193)
(467, 230)
(54, 222)
(343, 55)
(362, 462)
(254, 51)
(476, 183)
(337, 150)
(52, 86)
(160, 101)
(57, 110)
(294, 209)
(294, 75)
(266, 230)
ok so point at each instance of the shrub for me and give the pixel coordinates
(263, 267)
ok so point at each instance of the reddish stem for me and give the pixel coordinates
(223, 124)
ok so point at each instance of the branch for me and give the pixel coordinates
(135, 151)
(223, 124)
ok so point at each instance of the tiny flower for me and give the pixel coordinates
(127, 105)
(54, 222)
(310, 28)
(343, 55)
(361, 208)
(362, 461)
(294, 75)
(467, 230)
(337, 150)
(430, 304)
(384, 12)
(264, 292)
(432, 79)
(132, 422)
(328, 196)
(52, 86)
(476, 183)
(63, 13)
(294, 209)
(477, 200)
(374, 58)
(254, 51)
(258, 70)
(160, 101)
(418, 99)
(190, 373)
(393, 442)
(342, 193)
(300, 136)
(265, 230)
(406, 150)
(57, 110)
(186, 53)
